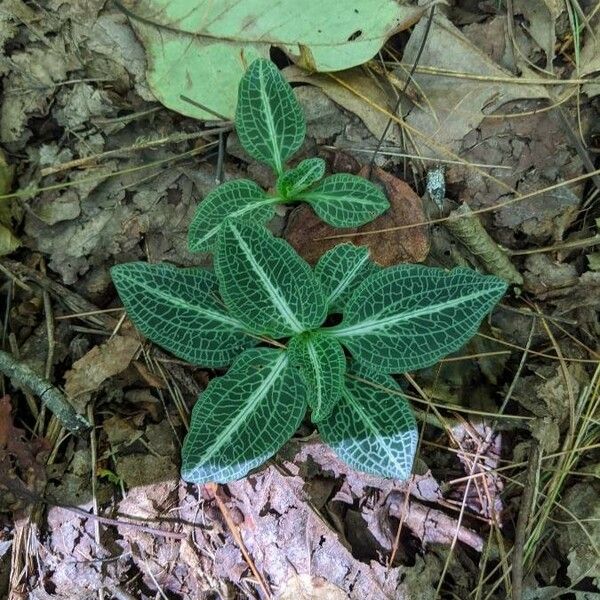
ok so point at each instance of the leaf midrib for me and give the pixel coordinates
(373, 325)
(241, 416)
(238, 213)
(179, 303)
(269, 120)
(329, 197)
(345, 282)
(312, 355)
(279, 302)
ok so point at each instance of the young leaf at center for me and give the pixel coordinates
(344, 200)
(239, 199)
(243, 417)
(322, 362)
(269, 119)
(265, 284)
(300, 178)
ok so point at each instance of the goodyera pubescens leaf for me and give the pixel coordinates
(240, 199)
(181, 311)
(269, 120)
(265, 284)
(409, 316)
(322, 363)
(372, 428)
(243, 417)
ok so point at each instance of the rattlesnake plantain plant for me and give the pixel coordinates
(264, 312)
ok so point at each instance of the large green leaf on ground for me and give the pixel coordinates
(265, 284)
(269, 120)
(372, 428)
(180, 310)
(200, 48)
(239, 199)
(341, 270)
(243, 417)
(322, 362)
(409, 316)
(301, 177)
(344, 200)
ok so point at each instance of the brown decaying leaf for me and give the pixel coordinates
(27, 470)
(306, 232)
(100, 363)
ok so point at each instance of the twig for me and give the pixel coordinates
(26, 494)
(213, 488)
(523, 520)
(151, 143)
(408, 80)
(48, 394)
(204, 108)
(21, 273)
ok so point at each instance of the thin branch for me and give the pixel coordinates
(523, 521)
(50, 396)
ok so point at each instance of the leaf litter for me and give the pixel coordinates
(81, 115)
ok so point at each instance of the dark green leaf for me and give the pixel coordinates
(181, 311)
(269, 119)
(265, 284)
(322, 362)
(372, 428)
(409, 316)
(344, 200)
(300, 178)
(341, 270)
(240, 199)
(243, 417)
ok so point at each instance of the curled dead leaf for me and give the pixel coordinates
(100, 363)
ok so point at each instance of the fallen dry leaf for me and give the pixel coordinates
(26, 472)
(454, 106)
(306, 232)
(305, 587)
(351, 89)
(100, 363)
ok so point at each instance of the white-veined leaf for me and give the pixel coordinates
(265, 284)
(372, 428)
(180, 310)
(409, 316)
(243, 417)
(301, 177)
(239, 199)
(268, 119)
(322, 362)
(344, 200)
(341, 270)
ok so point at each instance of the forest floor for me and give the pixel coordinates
(503, 113)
